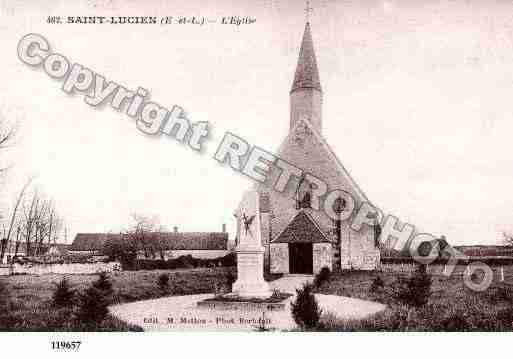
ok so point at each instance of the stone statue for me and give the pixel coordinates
(250, 252)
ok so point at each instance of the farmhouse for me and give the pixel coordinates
(159, 245)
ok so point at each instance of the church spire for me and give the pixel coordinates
(306, 92)
(307, 74)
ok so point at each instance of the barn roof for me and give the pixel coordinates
(91, 241)
(195, 240)
(168, 240)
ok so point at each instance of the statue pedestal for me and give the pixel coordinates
(250, 252)
(250, 274)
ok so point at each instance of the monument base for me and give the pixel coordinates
(231, 301)
(252, 290)
(250, 280)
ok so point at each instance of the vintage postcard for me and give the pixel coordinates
(256, 166)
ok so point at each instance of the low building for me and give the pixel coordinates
(13, 249)
(90, 243)
(160, 245)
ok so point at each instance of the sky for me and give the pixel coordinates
(417, 106)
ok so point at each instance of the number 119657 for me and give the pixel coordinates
(74, 345)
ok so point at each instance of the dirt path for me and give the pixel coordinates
(181, 313)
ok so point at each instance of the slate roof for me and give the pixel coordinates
(307, 73)
(302, 228)
(91, 241)
(169, 240)
(196, 240)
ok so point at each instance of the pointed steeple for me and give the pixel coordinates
(306, 92)
(307, 74)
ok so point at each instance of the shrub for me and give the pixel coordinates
(505, 318)
(104, 285)
(187, 261)
(455, 322)
(305, 310)
(230, 279)
(122, 250)
(63, 295)
(163, 282)
(93, 307)
(4, 294)
(415, 290)
(229, 260)
(501, 293)
(322, 276)
(377, 284)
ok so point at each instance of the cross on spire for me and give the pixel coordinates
(308, 10)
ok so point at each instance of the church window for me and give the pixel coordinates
(306, 202)
(304, 194)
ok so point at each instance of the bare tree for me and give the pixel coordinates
(14, 214)
(28, 221)
(8, 131)
(17, 243)
(144, 235)
(40, 224)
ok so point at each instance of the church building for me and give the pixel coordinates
(296, 237)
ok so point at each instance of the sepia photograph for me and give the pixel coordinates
(252, 166)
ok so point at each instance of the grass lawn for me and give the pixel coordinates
(451, 306)
(28, 306)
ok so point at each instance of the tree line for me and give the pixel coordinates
(33, 222)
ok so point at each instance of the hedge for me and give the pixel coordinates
(187, 261)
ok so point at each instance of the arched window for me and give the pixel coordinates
(306, 202)
(304, 194)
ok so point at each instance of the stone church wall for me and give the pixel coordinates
(357, 249)
(279, 258)
(264, 226)
(322, 256)
(307, 151)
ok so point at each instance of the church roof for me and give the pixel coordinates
(331, 155)
(302, 228)
(307, 74)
